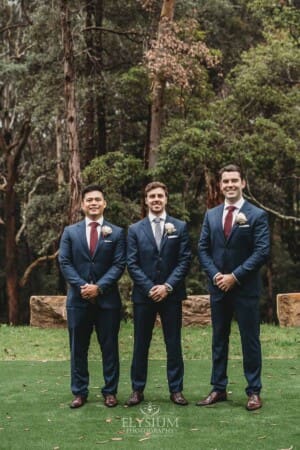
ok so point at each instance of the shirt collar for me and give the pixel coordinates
(88, 221)
(238, 204)
(163, 216)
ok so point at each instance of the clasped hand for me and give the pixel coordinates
(225, 282)
(158, 292)
(89, 291)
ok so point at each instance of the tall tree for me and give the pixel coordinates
(71, 112)
(158, 87)
(12, 151)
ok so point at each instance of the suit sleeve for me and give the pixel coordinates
(137, 274)
(66, 261)
(117, 268)
(204, 250)
(261, 248)
(184, 260)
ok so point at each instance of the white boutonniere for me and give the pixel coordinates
(169, 228)
(241, 219)
(105, 230)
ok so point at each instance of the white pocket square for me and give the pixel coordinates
(106, 240)
(172, 237)
(244, 226)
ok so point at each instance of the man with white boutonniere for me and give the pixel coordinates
(233, 246)
(158, 260)
(92, 257)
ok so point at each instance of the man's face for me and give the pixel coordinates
(93, 205)
(156, 201)
(232, 186)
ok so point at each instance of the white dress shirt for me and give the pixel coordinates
(88, 228)
(237, 205)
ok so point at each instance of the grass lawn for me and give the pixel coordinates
(35, 413)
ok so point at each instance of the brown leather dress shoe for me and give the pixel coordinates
(110, 400)
(212, 398)
(178, 399)
(78, 402)
(135, 398)
(254, 402)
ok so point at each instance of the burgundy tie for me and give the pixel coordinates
(228, 221)
(93, 237)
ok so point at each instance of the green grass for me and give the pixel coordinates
(35, 396)
(34, 344)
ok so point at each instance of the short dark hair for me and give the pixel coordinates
(154, 185)
(90, 188)
(231, 168)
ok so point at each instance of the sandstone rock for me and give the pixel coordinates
(48, 311)
(288, 309)
(196, 310)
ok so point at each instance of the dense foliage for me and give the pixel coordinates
(229, 71)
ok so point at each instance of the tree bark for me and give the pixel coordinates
(71, 113)
(59, 147)
(101, 92)
(12, 154)
(158, 89)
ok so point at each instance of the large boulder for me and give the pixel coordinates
(48, 311)
(196, 310)
(288, 309)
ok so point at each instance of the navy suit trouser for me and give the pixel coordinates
(81, 323)
(246, 311)
(144, 320)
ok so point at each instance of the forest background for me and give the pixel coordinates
(124, 91)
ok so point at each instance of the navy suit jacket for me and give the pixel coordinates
(104, 268)
(242, 254)
(147, 266)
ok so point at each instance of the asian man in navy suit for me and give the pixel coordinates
(233, 245)
(92, 257)
(158, 260)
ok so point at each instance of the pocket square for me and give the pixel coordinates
(173, 237)
(107, 240)
(244, 226)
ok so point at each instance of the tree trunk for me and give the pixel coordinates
(213, 197)
(158, 89)
(12, 154)
(89, 144)
(101, 92)
(60, 171)
(73, 143)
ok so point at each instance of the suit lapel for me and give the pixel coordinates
(82, 236)
(219, 222)
(146, 226)
(164, 236)
(101, 237)
(243, 209)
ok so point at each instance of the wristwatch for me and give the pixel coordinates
(169, 287)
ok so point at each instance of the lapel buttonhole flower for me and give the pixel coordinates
(169, 228)
(241, 219)
(106, 231)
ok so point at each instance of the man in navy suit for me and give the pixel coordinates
(233, 245)
(92, 257)
(158, 259)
